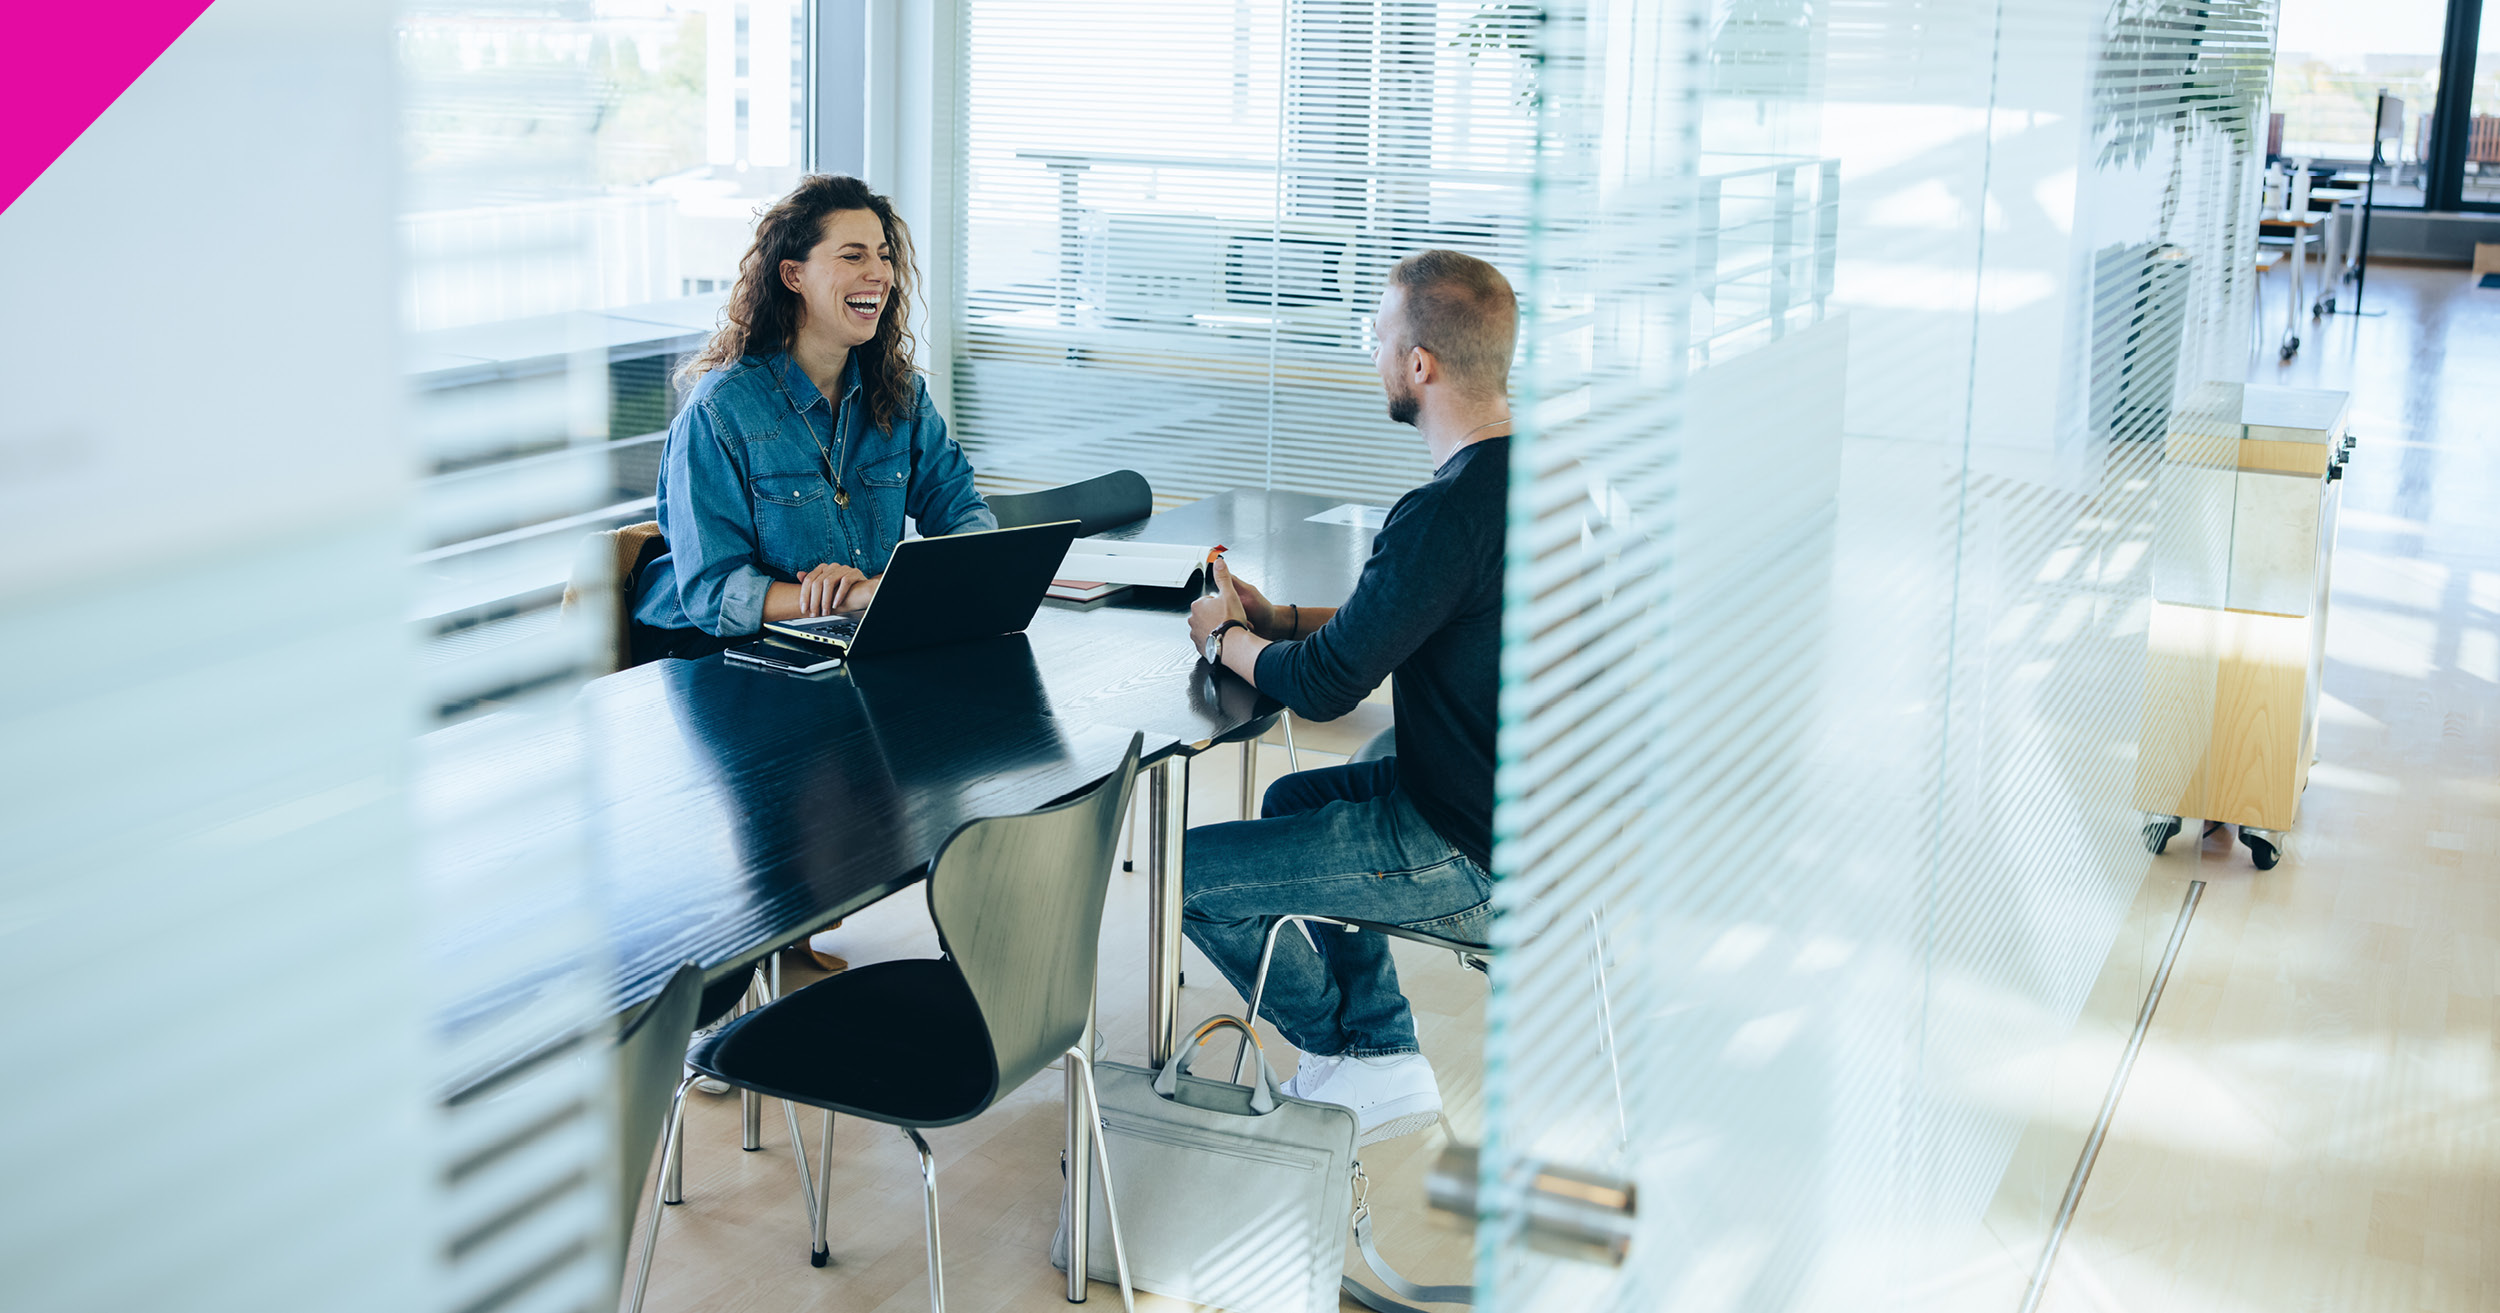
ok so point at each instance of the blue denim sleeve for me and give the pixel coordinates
(942, 499)
(710, 528)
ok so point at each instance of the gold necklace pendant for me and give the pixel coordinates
(841, 499)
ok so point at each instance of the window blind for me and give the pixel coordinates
(1174, 270)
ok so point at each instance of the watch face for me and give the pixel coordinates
(1215, 648)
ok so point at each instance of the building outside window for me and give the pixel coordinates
(2333, 62)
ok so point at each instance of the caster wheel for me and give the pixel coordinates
(2264, 854)
(2159, 833)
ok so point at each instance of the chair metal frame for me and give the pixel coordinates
(816, 1188)
(1474, 956)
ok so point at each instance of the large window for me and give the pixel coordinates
(687, 114)
(580, 182)
(2481, 184)
(1173, 270)
(2334, 60)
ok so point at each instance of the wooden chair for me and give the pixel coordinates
(605, 570)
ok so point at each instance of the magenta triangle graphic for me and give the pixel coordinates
(63, 64)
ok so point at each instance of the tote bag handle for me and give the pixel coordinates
(1263, 1091)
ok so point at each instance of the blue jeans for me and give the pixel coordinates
(1341, 841)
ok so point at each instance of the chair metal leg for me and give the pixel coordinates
(1077, 1168)
(750, 1103)
(798, 1155)
(651, 1228)
(673, 1148)
(1258, 983)
(937, 1258)
(821, 1253)
(1293, 755)
(1102, 1163)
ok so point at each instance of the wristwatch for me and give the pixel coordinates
(1215, 641)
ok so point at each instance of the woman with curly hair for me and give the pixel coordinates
(808, 435)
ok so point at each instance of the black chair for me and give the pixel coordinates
(1105, 501)
(650, 1060)
(921, 1043)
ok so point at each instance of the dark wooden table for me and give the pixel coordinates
(731, 810)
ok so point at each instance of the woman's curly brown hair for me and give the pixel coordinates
(763, 314)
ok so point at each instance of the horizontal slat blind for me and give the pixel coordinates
(1174, 270)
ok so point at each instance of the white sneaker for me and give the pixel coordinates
(1308, 1073)
(1390, 1096)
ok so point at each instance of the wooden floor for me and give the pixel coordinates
(2313, 1122)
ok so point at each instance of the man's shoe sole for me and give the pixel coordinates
(1401, 1123)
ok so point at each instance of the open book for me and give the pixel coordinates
(1093, 567)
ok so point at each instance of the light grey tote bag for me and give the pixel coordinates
(1230, 1195)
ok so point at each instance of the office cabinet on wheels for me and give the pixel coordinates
(2237, 636)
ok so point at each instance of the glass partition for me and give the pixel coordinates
(1881, 379)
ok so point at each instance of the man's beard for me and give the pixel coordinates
(1404, 405)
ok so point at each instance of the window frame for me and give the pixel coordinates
(2452, 118)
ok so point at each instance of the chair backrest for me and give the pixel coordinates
(1017, 901)
(612, 560)
(1105, 501)
(650, 1059)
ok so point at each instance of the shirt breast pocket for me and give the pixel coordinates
(786, 489)
(793, 527)
(885, 469)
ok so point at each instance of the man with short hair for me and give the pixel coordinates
(1408, 838)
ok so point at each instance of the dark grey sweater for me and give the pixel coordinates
(1428, 609)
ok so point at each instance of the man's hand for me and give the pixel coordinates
(1256, 610)
(1208, 612)
(822, 590)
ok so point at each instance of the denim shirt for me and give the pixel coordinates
(764, 479)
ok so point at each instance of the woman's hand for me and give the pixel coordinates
(1255, 610)
(856, 596)
(823, 590)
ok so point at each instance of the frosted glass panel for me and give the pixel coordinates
(1874, 355)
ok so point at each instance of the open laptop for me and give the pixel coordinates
(946, 590)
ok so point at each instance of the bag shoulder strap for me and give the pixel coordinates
(1398, 1285)
(1389, 1276)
